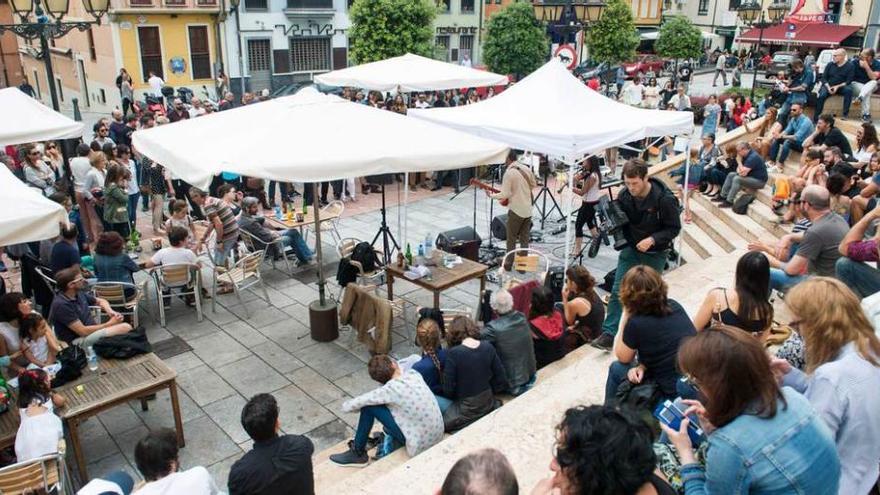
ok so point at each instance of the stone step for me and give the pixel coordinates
(718, 231)
(695, 245)
(744, 226)
(764, 216)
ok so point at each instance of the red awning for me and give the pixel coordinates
(818, 34)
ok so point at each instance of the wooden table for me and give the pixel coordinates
(308, 219)
(116, 382)
(441, 278)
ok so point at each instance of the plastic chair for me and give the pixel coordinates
(525, 260)
(335, 207)
(45, 473)
(243, 275)
(184, 278)
(254, 244)
(114, 293)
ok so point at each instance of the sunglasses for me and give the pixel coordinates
(102, 130)
(34, 153)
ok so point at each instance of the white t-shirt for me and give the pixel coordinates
(133, 180)
(174, 255)
(196, 112)
(195, 481)
(39, 348)
(721, 62)
(156, 84)
(632, 95)
(11, 336)
(422, 104)
(37, 435)
(80, 167)
(592, 194)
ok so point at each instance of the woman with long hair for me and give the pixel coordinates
(652, 94)
(582, 308)
(652, 326)
(53, 157)
(866, 144)
(40, 430)
(13, 307)
(589, 192)
(762, 439)
(747, 305)
(842, 374)
(546, 325)
(116, 200)
(433, 359)
(725, 164)
(93, 189)
(37, 173)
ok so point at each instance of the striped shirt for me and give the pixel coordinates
(218, 208)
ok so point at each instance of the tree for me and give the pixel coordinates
(382, 29)
(515, 43)
(614, 38)
(678, 39)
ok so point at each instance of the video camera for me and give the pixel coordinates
(612, 221)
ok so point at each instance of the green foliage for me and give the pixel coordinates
(515, 43)
(614, 38)
(678, 39)
(382, 29)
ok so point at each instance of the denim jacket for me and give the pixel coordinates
(806, 78)
(844, 393)
(790, 453)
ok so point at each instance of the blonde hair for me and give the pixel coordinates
(428, 338)
(831, 316)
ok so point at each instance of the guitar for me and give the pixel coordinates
(487, 187)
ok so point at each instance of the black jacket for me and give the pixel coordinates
(280, 466)
(656, 216)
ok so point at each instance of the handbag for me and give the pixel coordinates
(72, 359)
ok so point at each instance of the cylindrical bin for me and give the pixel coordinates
(323, 321)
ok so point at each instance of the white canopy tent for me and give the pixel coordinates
(25, 215)
(410, 73)
(26, 120)
(553, 113)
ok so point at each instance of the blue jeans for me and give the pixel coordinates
(616, 375)
(443, 403)
(862, 278)
(517, 391)
(368, 415)
(132, 209)
(628, 258)
(845, 91)
(223, 250)
(787, 145)
(782, 281)
(292, 238)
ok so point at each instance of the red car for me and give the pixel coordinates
(643, 63)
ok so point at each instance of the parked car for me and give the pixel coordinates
(585, 66)
(644, 63)
(606, 73)
(780, 62)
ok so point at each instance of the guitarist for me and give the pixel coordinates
(516, 187)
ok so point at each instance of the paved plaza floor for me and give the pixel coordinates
(228, 357)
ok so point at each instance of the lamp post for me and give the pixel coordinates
(50, 26)
(568, 17)
(235, 4)
(752, 13)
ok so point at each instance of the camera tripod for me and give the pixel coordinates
(543, 194)
(385, 233)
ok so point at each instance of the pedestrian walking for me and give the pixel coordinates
(720, 69)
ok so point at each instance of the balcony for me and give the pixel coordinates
(309, 8)
(159, 5)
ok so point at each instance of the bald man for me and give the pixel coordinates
(818, 252)
(836, 80)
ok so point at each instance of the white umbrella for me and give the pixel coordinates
(410, 73)
(26, 120)
(25, 215)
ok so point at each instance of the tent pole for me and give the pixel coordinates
(685, 191)
(403, 241)
(318, 254)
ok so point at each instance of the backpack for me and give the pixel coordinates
(123, 346)
(741, 203)
(72, 360)
(363, 253)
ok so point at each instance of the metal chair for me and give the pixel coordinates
(45, 473)
(114, 293)
(375, 278)
(525, 260)
(335, 207)
(184, 278)
(244, 274)
(254, 244)
(48, 278)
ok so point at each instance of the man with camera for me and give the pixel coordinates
(652, 223)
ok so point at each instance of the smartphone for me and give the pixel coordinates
(671, 413)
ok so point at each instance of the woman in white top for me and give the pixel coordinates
(52, 156)
(652, 94)
(590, 193)
(37, 173)
(40, 430)
(156, 456)
(93, 190)
(13, 306)
(866, 144)
(632, 94)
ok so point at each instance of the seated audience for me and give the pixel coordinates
(747, 305)
(792, 138)
(277, 464)
(867, 144)
(762, 439)
(180, 217)
(115, 483)
(786, 246)
(73, 319)
(826, 135)
(583, 309)
(433, 359)
(510, 334)
(818, 251)
(484, 472)
(603, 450)
(156, 457)
(839, 187)
(866, 200)
(405, 407)
(40, 429)
(65, 253)
(798, 88)
(39, 344)
(254, 224)
(472, 376)
(842, 376)
(856, 252)
(680, 100)
(547, 328)
(836, 80)
(653, 327)
(717, 174)
(750, 174)
(111, 263)
(835, 163)
(13, 307)
(177, 253)
(866, 70)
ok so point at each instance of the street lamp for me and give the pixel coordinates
(752, 13)
(234, 9)
(568, 17)
(45, 28)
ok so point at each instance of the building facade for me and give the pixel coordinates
(648, 14)
(458, 30)
(178, 40)
(274, 43)
(11, 71)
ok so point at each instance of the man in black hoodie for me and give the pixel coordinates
(654, 223)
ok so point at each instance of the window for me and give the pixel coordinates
(310, 4)
(103, 96)
(734, 4)
(703, 7)
(60, 89)
(466, 43)
(441, 46)
(309, 54)
(93, 53)
(444, 5)
(467, 6)
(151, 51)
(255, 4)
(199, 54)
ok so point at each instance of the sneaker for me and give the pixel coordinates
(594, 247)
(725, 204)
(604, 342)
(351, 458)
(718, 199)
